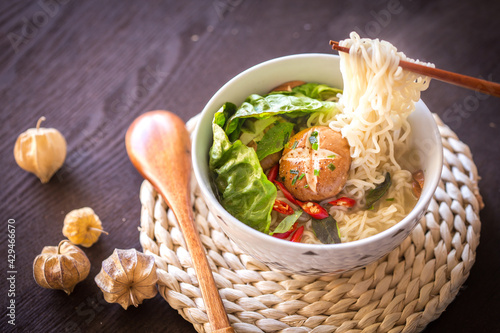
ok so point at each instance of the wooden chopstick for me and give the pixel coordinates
(484, 86)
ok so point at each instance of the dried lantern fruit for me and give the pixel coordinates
(83, 227)
(41, 151)
(127, 277)
(61, 267)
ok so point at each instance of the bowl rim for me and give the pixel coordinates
(419, 208)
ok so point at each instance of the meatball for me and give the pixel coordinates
(315, 163)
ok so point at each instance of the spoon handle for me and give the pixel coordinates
(215, 308)
(159, 146)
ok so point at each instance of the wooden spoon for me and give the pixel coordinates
(159, 146)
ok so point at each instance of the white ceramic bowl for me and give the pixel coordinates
(301, 258)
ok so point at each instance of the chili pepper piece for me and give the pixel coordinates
(282, 207)
(314, 209)
(286, 193)
(297, 235)
(273, 173)
(344, 202)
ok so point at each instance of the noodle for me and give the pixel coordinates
(377, 99)
(378, 96)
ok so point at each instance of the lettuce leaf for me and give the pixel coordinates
(313, 90)
(274, 104)
(246, 193)
(256, 106)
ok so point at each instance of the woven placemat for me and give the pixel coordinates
(402, 292)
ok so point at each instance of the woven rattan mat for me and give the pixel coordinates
(402, 292)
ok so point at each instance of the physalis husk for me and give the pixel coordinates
(128, 277)
(83, 227)
(41, 151)
(61, 267)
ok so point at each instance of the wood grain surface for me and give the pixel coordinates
(91, 67)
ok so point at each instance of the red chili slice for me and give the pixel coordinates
(344, 201)
(314, 209)
(282, 207)
(297, 235)
(273, 173)
(285, 234)
(287, 194)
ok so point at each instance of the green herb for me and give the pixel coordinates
(331, 166)
(331, 156)
(315, 146)
(316, 172)
(314, 133)
(301, 176)
(327, 230)
(295, 144)
(294, 180)
(306, 186)
(378, 192)
(294, 172)
(287, 223)
(389, 199)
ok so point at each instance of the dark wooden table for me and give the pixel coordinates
(91, 67)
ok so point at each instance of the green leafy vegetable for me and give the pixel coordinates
(224, 113)
(331, 166)
(273, 140)
(316, 172)
(327, 230)
(314, 90)
(378, 192)
(287, 223)
(257, 106)
(245, 191)
(253, 129)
